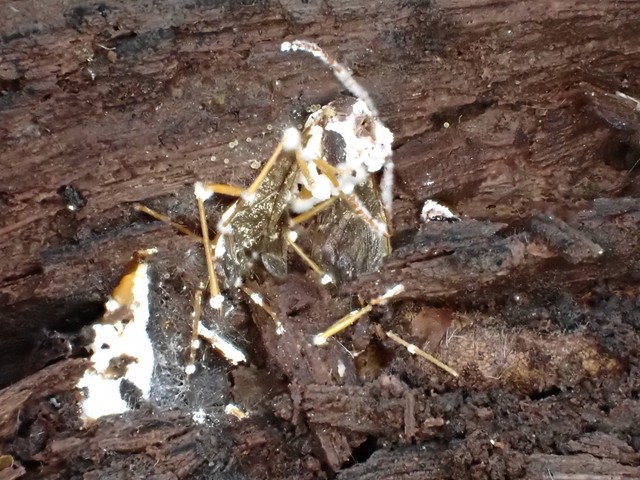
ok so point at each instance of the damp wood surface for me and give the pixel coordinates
(522, 117)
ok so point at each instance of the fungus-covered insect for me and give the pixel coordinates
(337, 171)
(326, 169)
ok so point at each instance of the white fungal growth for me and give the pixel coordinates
(326, 279)
(199, 416)
(319, 340)
(120, 343)
(217, 301)
(291, 140)
(433, 211)
(342, 73)
(293, 236)
(201, 192)
(257, 299)
(233, 409)
(341, 368)
(392, 292)
(190, 369)
(220, 248)
(247, 197)
(229, 351)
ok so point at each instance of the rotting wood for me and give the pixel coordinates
(507, 112)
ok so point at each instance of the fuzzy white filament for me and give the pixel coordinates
(343, 74)
(229, 351)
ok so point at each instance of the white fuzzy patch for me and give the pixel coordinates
(201, 192)
(199, 416)
(392, 292)
(434, 211)
(248, 198)
(326, 279)
(113, 341)
(319, 340)
(257, 299)
(291, 140)
(220, 249)
(217, 301)
(229, 351)
(190, 369)
(232, 409)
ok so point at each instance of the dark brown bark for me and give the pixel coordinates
(520, 116)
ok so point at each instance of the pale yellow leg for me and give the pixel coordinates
(417, 351)
(165, 219)
(325, 278)
(303, 217)
(259, 300)
(215, 297)
(354, 316)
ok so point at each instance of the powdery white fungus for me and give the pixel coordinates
(411, 349)
(190, 369)
(232, 409)
(111, 305)
(293, 236)
(114, 341)
(199, 416)
(217, 301)
(226, 348)
(201, 192)
(392, 292)
(386, 185)
(319, 340)
(279, 328)
(257, 299)
(220, 249)
(290, 140)
(247, 197)
(434, 211)
(326, 279)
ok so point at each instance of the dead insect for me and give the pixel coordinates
(339, 169)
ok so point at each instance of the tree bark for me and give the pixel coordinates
(522, 117)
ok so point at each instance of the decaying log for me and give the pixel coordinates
(522, 117)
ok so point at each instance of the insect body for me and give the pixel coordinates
(339, 170)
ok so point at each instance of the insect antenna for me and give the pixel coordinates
(342, 73)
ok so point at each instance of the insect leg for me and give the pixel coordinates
(325, 278)
(258, 299)
(361, 211)
(165, 219)
(303, 217)
(215, 297)
(355, 315)
(226, 348)
(417, 351)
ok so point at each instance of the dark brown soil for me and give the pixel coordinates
(520, 116)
